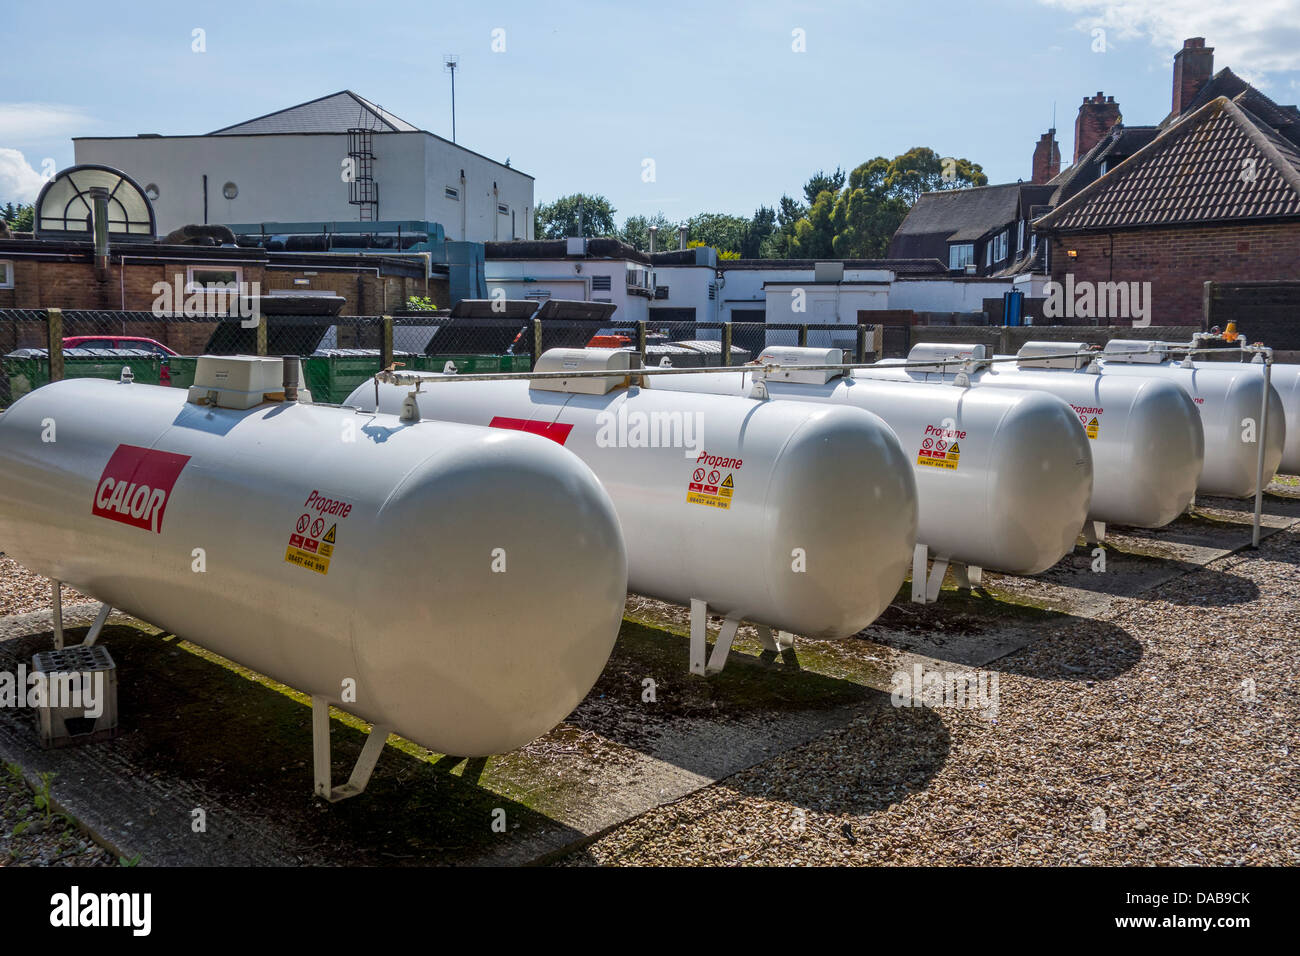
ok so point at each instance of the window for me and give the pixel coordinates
(999, 246)
(6, 275)
(503, 209)
(601, 284)
(1020, 235)
(960, 256)
(452, 193)
(198, 278)
(222, 286)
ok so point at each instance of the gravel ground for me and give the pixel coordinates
(27, 836)
(21, 591)
(1188, 756)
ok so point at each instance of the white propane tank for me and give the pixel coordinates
(1147, 443)
(1284, 377)
(471, 582)
(798, 518)
(1230, 398)
(1003, 480)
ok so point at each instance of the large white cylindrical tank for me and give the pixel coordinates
(1003, 480)
(1285, 379)
(471, 582)
(1230, 398)
(1148, 444)
(799, 518)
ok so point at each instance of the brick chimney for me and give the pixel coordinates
(1047, 158)
(1193, 67)
(1096, 116)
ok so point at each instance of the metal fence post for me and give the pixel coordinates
(640, 340)
(261, 334)
(386, 343)
(54, 327)
(860, 344)
(537, 341)
(726, 343)
(803, 336)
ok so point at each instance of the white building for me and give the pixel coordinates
(299, 165)
(585, 270)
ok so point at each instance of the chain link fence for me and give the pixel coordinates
(341, 352)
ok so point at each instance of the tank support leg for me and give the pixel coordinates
(57, 605)
(968, 576)
(93, 634)
(1094, 532)
(320, 740)
(56, 602)
(925, 587)
(783, 640)
(699, 639)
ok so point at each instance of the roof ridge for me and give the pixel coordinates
(1171, 135)
(286, 109)
(1264, 142)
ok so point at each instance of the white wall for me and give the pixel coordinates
(297, 178)
(823, 304)
(946, 295)
(688, 288)
(568, 279)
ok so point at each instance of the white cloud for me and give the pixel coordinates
(18, 181)
(24, 123)
(1255, 38)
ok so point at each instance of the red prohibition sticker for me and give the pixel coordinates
(136, 485)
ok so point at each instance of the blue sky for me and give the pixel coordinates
(714, 94)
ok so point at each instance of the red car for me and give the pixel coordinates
(116, 342)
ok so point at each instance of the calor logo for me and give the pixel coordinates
(135, 486)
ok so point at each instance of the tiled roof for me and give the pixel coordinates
(1119, 143)
(961, 214)
(336, 113)
(1218, 164)
(1284, 119)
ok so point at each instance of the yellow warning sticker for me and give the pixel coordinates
(305, 559)
(710, 489)
(937, 453)
(1093, 427)
(311, 546)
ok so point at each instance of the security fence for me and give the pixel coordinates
(341, 352)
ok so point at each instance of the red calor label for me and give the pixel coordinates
(555, 431)
(135, 486)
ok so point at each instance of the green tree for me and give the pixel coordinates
(821, 182)
(922, 170)
(559, 219)
(858, 220)
(760, 229)
(18, 216)
(636, 232)
(722, 231)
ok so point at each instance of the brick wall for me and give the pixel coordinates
(1178, 261)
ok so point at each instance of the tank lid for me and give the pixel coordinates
(619, 361)
(1143, 351)
(239, 381)
(945, 351)
(1032, 355)
(791, 358)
